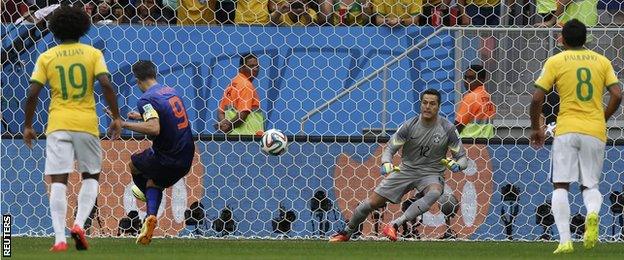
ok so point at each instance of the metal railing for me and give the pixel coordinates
(359, 83)
(385, 67)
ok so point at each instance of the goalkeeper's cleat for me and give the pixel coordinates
(138, 194)
(390, 232)
(590, 238)
(341, 236)
(59, 247)
(147, 230)
(564, 248)
(79, 236)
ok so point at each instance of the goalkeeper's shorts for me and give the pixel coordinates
(395, 185)
(152, 167)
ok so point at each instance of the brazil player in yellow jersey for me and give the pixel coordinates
(70, 69)
(580, 77)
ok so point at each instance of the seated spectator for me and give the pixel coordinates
(479, 12)
(28, 17)
(585, 11)
(13, 10)
(196, 12)
(148, 13)
(103, 14)
(143, 16)
(293, 14)
(614, 15)
(396, 12)
(345, 12)
(545, 10)
(255, 11)
(436, 12)
(119, 14)
(36, 15)
(225, 11)
(476, 110)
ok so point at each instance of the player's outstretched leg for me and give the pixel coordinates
(359, 215)
(153, 195)
(422, 205)
(86, 200)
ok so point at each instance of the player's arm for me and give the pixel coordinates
(31, 104)
(150, 125)
(37, 80)
(394, 144)
(538, 135)
(543, 85)
(613, 86)
(102, 75)
(111, 99)
(614, 100)
(109, 95)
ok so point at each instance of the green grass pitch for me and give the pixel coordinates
(170, 249)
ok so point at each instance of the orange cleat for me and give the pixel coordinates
(390, 232)
(59, 247)
(339, 237)
(78, 234)
(147, 230)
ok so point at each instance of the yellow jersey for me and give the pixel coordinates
(487, 3)
(252, 12)
(70, 69)
(196, 12)
(400, 9)
(580, 77)
(303, 21)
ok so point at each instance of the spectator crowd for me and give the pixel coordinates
(330, 12)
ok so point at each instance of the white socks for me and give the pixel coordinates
(86, 200)
(592, 199)
(561, 212)
(58, 210)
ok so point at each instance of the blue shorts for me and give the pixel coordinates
(164, 175)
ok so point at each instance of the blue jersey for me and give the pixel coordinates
(174, 145)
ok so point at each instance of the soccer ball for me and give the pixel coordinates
(274, 142)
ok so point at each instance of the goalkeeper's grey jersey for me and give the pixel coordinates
(424, 146)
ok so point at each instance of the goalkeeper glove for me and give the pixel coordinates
(451, 164)
(387, 168)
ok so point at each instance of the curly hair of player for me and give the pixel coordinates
(69, 23)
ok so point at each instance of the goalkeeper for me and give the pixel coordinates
(425, 140)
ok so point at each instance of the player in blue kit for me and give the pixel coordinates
(163, 117)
